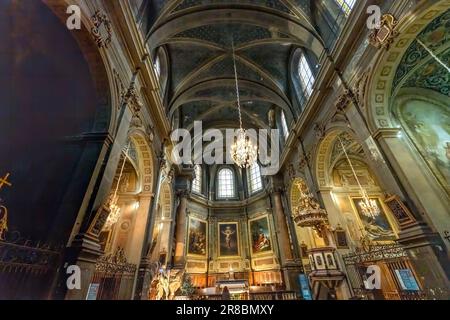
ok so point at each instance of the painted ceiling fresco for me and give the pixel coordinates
(418, 68)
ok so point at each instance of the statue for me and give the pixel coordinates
(175, 284)
(166, 285)
(3, 222)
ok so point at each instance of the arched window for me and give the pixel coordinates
(306, 76)
(254, 178)
(346, 6)
(197, 183)
(225, 182)
(284, 125)
(157, 66)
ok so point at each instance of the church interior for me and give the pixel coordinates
(343, 193)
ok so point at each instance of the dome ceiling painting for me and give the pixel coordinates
(418, 68)
(197, 36)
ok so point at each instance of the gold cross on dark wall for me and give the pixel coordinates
(4, 181)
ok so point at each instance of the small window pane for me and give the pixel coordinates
(254, 178)
(346, 5)
(197, 183)
(157, 66)
(306, 76)
(226, 183)
(285, 126)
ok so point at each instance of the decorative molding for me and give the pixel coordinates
(320, 130)
(132, 99)
(98, 20)
(291, 171)
(360, 88)
(343, 101)
(304, 160)
(384, 36)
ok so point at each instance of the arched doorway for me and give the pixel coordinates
(364, 238)
(123, 234)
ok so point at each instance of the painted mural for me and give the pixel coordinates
(260, 235)
(428, 125)
(378, 228)
(197, 237)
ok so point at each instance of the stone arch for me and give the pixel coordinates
(165, 200)
(101, 71)
(147, 167)
(379, 92)
(323, 153)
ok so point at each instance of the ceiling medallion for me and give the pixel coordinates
(243, 153)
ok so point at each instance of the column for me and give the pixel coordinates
(181, 229)
(282, 229)
(84, 248)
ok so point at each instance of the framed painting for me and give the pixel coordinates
(378, 228)
(341, 238)
(197, 237)
(260, 238)
(228, 239)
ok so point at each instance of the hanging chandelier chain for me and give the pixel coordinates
(364, 193)
(237, 84)
(122, 169)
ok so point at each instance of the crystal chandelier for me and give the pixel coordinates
(369, 207)
(243, 152)
(114, 208)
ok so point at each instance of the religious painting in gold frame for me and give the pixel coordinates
(260, 235)
(228, 236)
(197, 237)
(379, 229)
(340, 236)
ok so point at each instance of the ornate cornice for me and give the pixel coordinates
(384, 36)
(100, 19)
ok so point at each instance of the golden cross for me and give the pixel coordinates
(4, 181)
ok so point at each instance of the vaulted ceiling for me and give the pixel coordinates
(197, 36)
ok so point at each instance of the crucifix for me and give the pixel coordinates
(4, 181)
